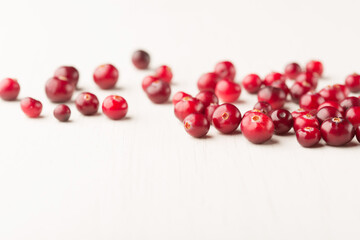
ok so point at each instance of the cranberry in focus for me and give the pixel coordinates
(306, 120)
(283, 121)
(106, 76)
(187, 106)
(226, 118)
(326, 113)
(31, 107)
(59, 90)
(227, 91)
(115, 107)
(62, 113)
(87, 103)
(337, 131)
(196, 125)
(257, 127)
(308, 136)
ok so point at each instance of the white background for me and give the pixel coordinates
(144, 177)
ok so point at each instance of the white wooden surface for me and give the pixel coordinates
(144, 177)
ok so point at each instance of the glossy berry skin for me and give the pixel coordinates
(196, 125)
(292, 70)
(62, 113)
(209, 111)
(59, 90)
(106, 76)
(147, 81)
(225, 69)
(69, 72)
(276, 97)
(282, 85)
(326, 113)
(311, 101)
(257, 127)
(315, 67)
(352, 82)
(332, 104)
(283, 121)
(337, 131)
(87, 104)
(252, 83)
(298, 89)
(308, 77)
(188, 105)
(178, 96)
(207, 98)
(308, 136)
(9, 89)
(164, 73)
(252, 111)
(227, 91)
(343, 89)
(140, 59)
(299, 112)
(305, 120)
(263, 107)
(358, 133)
(208, 81)
(349, 102)
(158, 91)
(115, 107)
(332, 93)
(272, 77)
(226, 118)
(353, 116)
(31, 107)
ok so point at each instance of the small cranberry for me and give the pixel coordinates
(282, 85)
(31, 107)
(147, 81)
(208, 81)
(326, 113)
(115, 107)
(257, 127)
(292, 70)
(352, 82)
(196, 125)
(252, 83)
(283, 121)
(305, 120)
(70, 73)
(164, 73)
(59, 90)
(332, 93)
(225, 69)
(337, 131)
(227, 90)
(209, 111)
(87, 103)
(311, 101)
(358, 133)
(106, 76)
(353, 115)
(158, 91)
(207, 98)
(315, 67)
(186, 106)
(62, 113)
(332, 104)
(226, 118)
(178, 96)
(308, 77)
(263, 107)
(276, 97)
(308, 136)
(273, 77)
(141, 59)
(349, 102)
(9, 89)
(298, 89)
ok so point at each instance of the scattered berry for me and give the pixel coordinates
(273, 77)
(298, 89)
(311, 101)
(9, 89)
(292, 70)
(305, 120)
(62, 113)
(227, 90)
(226, 118)
(208, 81)
(352, 82)
(337, 131)
(276, 97)
(31, 107)
(225, 69)
(115, 107)
(59, 90)
(164, 73)
(315, 67)
(188, 105)
(283, 121)
(196, 125)
(70, 73)
(257, 127)
(308, 136)
(147, 81)
(252, 83)
(158, 91)
(87, 103)
(178, 96)
(106, 76)
(207, 98)
(141, 59)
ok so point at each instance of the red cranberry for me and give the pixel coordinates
(226, 118)
(353, 115)
(308, 77)
(196, 125)
(308, 136)
(227, 91)
(263, 107)
(352, 82)
(252, 111)
(62, 113)
(257, 127)
(252, 83)
(87, 103)
(225, 69)
(178, 96)
(331, 104)
(141, 59)
(147, 81)
(209, 111)
(337, 131)
(350, 102)
(283, 121)
(298, 89)
(282, 85)
(31, 107)
(292, 70)
(332, 93)
(358, 133)
(9, 89)
(106, 76)
(343, 88)
(158, 91)
(115, 107)
(272, 77)
(208, 81)
(70, 73)
(311, 101)
(276, 97)
(326, 113)
(188, 105)
(315, 67)
(207, 98)
(59, 90)
(306, 120)
(298, 113)
(164, 73)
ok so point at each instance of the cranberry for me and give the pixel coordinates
(106, 76)
(358, 133)
(188, 105)
(257, 127)
(252, 111)
(178, 96)
(315, 67)
(272, 77)
(263, 107)
(208, 81)
(9, 89)
(343, 88)
(227, 90)
(164, 73)
(59, 90)
(115, 107)
(305, 120)
(308, 136)
(331, 104)
(352, 82)
(298, 89)
(283, 121)
(147, 81)
(276, 97)
(226, 118)
(62, 113)
(87, 103)
(196, 125)
(332, 93)
(70, 73)
(298, 113)
(308, 77)
(31, 107)
(353, 115)
(209, 111)
(225, 69)
(292, 70)
(141, 59)
(252, 83)
(282, 85)
(158, 91)
(350, 102)
(207, 98)
(311, 101)
(326, 113)
(337, 131)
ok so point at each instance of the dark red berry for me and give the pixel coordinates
(178, 96)
(186, 106)
(298, 89)
(207, 98)
(311, 101)
(31, 107)
(106, 76)
(59, 90)
(87, 103)
(226, 118)
(353, 115)
(9, 89)
(299, 112)
(147, 81)
(276, 97)
(358, 133)
(209, 111)
(257, 127)
(252, 83)
(283, 121)
(273, 77)
(308, 77)
(164, 73)
(308, 136)
(326, 113)
(315, 67)
(158, 91)
(225, 69)
(141, 59)
(305, 120)
(349, 102)
(352, 82)
(263, 107)
(337, 131)
(62, 113)
(292, 70)
(196, 125)
(332, 93)
(70, 73)
(208, 81)
(227, 91)
(282, 85)
(115, 107)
